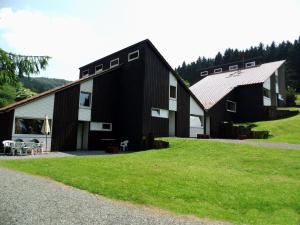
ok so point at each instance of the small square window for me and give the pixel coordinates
(85, 99)
(85, 73)
(133, 55)
(172, 92)
(114, 63)
(98, 68)
(231, 106)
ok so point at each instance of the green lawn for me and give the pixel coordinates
(236, 183)
(298, 99)
(283, 130)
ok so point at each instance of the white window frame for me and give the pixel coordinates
(170, 92)
(83, 73)
(229, 110)
(159, 113)
(131, 53)
(233, 67)
(249, 64)
(99, 70)
(218, 70)
(91, 96)
(204, 73)
(111, 61)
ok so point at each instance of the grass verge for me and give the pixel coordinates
(241, 184)
(284, 130)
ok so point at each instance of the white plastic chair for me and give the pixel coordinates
(124, 145)
(8, 144)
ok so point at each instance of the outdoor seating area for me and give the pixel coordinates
(19, 147)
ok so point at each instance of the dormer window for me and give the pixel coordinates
(204, 73)
(133, 55)
(99, 68)
(250, 64)
(114, 63)
(85, 73)
(233, 67)
(218, 70)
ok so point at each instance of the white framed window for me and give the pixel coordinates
(85, 99)
(100, 126)
(233, 67)
(161, 113)
(85, 73)
(267, 93)
(218, 70)
(196, 121)
(99, 68)
(114, 63)
(250, 64)
(30, 125)
(231, 106)
(173, 92)
(133, 55)
(204, 73)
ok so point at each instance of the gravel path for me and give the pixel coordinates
(260, 143)
(54, 155)
(32, 200)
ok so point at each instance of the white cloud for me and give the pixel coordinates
(68, 40)
(181, 30)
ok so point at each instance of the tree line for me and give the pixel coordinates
(287, 50)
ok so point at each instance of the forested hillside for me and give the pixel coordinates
(284, 50)
(25, 88)
(41, 84)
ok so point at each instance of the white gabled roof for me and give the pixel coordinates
(213, 88)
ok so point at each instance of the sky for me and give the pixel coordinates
(77, 32)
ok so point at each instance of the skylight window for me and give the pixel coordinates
(218, 70)
(249, 64)
(204, 73)
(233, 67)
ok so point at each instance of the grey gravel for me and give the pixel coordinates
(278, 145)
(33, 200)
(54, 155)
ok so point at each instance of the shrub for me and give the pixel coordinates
(291, 97)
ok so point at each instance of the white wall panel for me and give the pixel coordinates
(37, 109)
(195, 109)
(87, 86)
(84, 114)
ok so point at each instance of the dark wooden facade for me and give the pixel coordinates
(6, 121)
(183, 113)
(249, 108)
(123, 96)
(65, 119)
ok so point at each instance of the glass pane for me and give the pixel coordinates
(85, 99)
(195, 121)
(29, 126)
(106, 126)
(172, 92)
